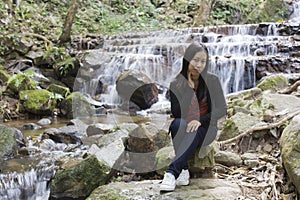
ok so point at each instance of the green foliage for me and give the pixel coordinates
(8, 42)
(118, 16)
(65, 66)
(230, 12)
(247, 11)
(56, 96)
(114, 129)
(63, 62)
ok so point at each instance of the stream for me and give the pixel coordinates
(236, 53)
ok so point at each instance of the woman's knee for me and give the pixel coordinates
(177, 123)
(201, 134)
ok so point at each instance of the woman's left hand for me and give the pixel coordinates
(193, 126)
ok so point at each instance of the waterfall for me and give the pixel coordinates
(29, 185)
(159, 55)
(234, 52)
(296, 10)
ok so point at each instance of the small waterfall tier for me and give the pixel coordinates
(30, 185)
(240, 55)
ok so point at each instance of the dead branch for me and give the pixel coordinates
(290, 89)
(48, 42)
(273, 184)
(260, 128)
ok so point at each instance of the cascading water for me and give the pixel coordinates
(234, 51)
(159, 55)
(29, 185)
(296, 12)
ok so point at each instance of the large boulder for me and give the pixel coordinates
(200, 163)
(8, 144)
(289, 144)
(40, 102)
(238, 123)
(58, 89)
(77, 178)
(20, 82)
(108, 148)
(4, 77)
(137, 87)
(207, 189)
(142, 145)
(274, 82)
(76, 105)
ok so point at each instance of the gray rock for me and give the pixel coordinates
(8, 144)
(290, 150)
(77, 178)
(208, 189)
(228, 158)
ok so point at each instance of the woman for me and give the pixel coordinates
(197, 102)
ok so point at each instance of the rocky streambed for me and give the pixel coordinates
(255, 156)
(104, 151)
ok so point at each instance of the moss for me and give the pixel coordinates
(38, 101)
(3, 76)
(20, 82)
(8, 145)
(79, 179)
(290, 151)
(229, 130)
(58, 89)
(273, 83)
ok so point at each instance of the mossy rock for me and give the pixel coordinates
(76, 105)
(79, 178)
(8, 144)
(40, 102)
(4, 77)
(20, 82)
(237, 124)
(290, 145)
(203, 158)
(260, 106)
(273, 83)
(163, 159)
(58, 89)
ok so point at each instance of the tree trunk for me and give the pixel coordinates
(203, 13)
(66, 33)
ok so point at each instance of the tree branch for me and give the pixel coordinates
(48, 42)
(260, 128)
(290, 89)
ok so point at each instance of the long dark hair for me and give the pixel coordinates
(190, 52)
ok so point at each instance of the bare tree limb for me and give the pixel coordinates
(290, 89)
(260, 128)
(48, 42)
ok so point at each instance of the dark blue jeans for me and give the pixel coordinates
(185, 144)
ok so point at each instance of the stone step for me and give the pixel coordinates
(208, 189)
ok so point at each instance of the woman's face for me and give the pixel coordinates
(198, 63)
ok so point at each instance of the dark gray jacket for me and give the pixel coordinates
(181, 99)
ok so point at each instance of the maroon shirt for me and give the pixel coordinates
(197, 109)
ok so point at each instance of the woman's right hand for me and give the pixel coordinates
(190, 81)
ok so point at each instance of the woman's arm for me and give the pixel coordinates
(180, 100)
(218, 102)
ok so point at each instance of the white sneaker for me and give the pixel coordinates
(168, 183)
(183, 178)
